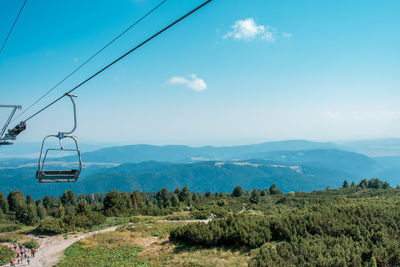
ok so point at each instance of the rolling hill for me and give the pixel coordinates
(292, 165)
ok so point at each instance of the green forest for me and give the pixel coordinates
(355, 225)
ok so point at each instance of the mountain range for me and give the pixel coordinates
(292, 165)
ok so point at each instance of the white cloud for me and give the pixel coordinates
(248, 30)
(194, 83)
(287, 34)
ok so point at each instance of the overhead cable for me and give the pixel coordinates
(15, 22)
(90, 58)
(121, 57)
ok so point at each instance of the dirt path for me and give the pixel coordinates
(52, 248)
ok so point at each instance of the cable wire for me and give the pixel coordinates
(89, 59)
(15, 22)
(118, 59)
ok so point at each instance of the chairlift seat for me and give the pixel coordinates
(57, 176)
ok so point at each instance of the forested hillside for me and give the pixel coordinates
(202, 176)
(352, 226)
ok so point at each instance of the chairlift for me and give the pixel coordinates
(12, 134)
(43, 174)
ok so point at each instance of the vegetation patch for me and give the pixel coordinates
(27, 241)
(108, 249)
(169, 254)
(31, 244)
(9, 227)
(5, 254)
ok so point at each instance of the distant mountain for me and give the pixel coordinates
(303, 170)
(216, 176)
(350, 162)
(186, 154)
(32, 149)
(203, 176)
(292, 165)
(391, 172)
(374, 147)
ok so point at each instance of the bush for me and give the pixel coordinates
(9, 228)
(200, 214)
(246, 231)
(51, 225)
(5, 255)
(31, 244)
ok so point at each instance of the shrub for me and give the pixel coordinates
(51, 225)
(9, 228)
(31, 244)
(5, 255)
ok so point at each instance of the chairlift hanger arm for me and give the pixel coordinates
(12, 134)
(61, 134)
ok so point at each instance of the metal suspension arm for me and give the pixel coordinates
(14, 107)
(61, 134)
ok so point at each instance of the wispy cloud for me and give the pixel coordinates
(287, 34)
(195, 83)
(248, 30)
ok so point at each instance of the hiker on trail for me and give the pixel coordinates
(33, 251)
(29, 260)
(11, 262)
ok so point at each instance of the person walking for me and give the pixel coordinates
(11, 262)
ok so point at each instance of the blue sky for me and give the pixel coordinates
(238, 71)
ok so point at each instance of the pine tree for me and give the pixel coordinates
(17, 203)
(175, 201)
(195, 197)
(184, 196)
(273, 190)
(3, 203)
(345, 184)
(113, 203)
(68, 198)
(136, 198)
(254, 197)
(237, 191)
(177, 191)
(47, 202)
(59, 212)
(82, 207)
(29, 199)
(31, 215)
(163, 198)
(41, 211)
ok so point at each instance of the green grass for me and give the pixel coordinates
(5, 254)
(111, 221)
(108, 249)
(9, 227)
